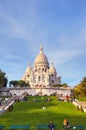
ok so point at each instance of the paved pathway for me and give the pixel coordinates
(83, 104)
(7, 103)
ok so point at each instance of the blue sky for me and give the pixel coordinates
(58, 25)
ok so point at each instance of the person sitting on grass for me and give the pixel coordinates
(66, 124)
(51, 125)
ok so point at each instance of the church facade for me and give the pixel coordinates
(42, 74)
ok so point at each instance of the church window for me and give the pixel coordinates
(45, 70)
(35, 70)
(52, 75)
(39, 78)
(52, 81)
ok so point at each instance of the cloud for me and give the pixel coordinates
(11, 27)
(62, 56)
(13, 57)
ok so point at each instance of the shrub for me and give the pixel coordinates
(10, 108)
(81, 108)
(77, 107)
(25, 98)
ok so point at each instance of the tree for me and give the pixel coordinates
(80, 89)
(65, 85)
(83, 86)
(20, 83)
(13, 83)
(56, 85)
(3, 79)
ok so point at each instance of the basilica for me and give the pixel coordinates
(42, 74)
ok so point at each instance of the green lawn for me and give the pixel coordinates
(31, 113)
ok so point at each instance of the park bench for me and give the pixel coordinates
(14, 127)
(42, 126)
(76, 127)
(1, 127)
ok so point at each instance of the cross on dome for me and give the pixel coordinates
(41, 49)
(29, 63)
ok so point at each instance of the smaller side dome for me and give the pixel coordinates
(28, 69)
(52, 69)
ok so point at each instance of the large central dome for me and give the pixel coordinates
(41, 59)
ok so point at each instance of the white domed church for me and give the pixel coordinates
(41, 74)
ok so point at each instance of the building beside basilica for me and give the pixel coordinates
(41, 74)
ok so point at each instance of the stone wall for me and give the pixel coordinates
(40, 91)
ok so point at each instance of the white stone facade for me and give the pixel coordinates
(41, 75)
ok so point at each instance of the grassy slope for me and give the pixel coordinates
(83, 99)
(32, 113)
